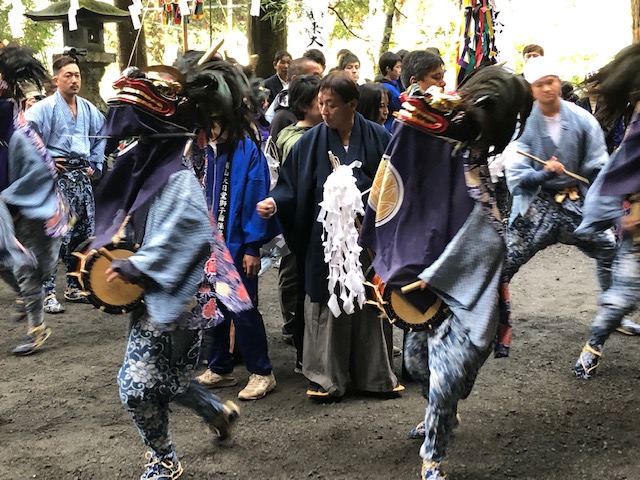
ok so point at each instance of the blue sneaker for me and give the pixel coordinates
(168, 468)
(432, 471)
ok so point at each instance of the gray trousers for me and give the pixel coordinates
(446, 363)
(350, 350)
(27, 280)
(622, 297)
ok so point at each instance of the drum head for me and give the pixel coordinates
(114, 297)
(406, 315)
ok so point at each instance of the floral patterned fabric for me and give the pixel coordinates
(157, 367)
(222, 283)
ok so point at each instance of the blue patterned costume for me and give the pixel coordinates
(603, 206)
(153, 199)
(432, 214)
(41, 215)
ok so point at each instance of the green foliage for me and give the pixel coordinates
(276, 11)
(37, 35)
(351, 14)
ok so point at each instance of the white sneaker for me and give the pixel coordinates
(214, 380)
(52, 305)
(257, 387)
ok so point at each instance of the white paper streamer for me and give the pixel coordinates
(341, 201)
(135, 10)
(16, 19)
(184, 8)
(255, 8)
(74, 6)
(73, 21)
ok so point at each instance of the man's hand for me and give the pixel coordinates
(113, 275)
(630, 223)
(251, 265)
(266, 208)
(60, 161)
(553, 165)
(90, 171)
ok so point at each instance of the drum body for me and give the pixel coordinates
(412, 312)
(116, 297)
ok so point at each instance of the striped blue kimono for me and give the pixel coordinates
(74, 139)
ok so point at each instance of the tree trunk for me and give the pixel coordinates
(635, 13)
(126, 40)
(266, 37)
(388, 26)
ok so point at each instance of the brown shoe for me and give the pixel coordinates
(257, 387)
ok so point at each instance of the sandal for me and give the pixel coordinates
(588, 362)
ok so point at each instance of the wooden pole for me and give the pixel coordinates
(185, 35)
(543, 162)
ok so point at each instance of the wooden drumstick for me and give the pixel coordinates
(543, 162)
(105, 253)
(208, 55)
(411, 287)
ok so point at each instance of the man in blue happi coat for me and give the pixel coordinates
(237, 177)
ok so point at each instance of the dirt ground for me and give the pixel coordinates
(527, 418)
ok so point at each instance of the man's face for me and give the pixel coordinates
(353, 69)
(282, 66)
(529, 55)
(313, 68)
(68, 80)
(394, 74)
(434, 77)
(546, 90)
(335, 113)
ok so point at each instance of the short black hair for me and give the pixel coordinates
(346, 59)
(302, 91)
(342, 53)
(342, 85)
(62, 62)
(370, 98)
(299, 67)
(388, 60)
(533, 48)
(434, 50)
(317, 56)
(417, 64)
(402, 53)
(280, 54)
